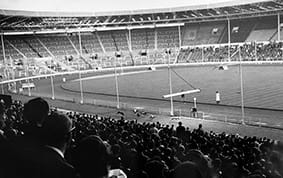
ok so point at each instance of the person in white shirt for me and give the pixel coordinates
(217, 97)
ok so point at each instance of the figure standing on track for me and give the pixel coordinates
(183, 96)
(217, 97)
(194, 112)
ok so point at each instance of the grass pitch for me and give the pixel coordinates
(263, 85)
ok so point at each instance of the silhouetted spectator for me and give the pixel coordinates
(2, 121)
(180, 130)
(35, 112)
(57, 130)
(91, 158)
(115, 158)
(156, 169)
(22, 153)
(201, 161)
(186, 170)
(133, 144)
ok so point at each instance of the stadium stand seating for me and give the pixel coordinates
(99, 47)
(17, 63)
(264, 30)
(135, 149)
(121, 40)
(36, 46)
(90, 44)
(202, 33)
(58, 45)
(240, 29)
(261, 35)
(275, 37)
(108, 41)
(23, 45)
(142, 39)
(10, 52)
(65, 49)
(268, 51)
(167, 37)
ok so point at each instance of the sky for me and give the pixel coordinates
(97, 5)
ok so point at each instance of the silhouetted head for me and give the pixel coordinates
(57, 130)
(36, 111)
(91, 157)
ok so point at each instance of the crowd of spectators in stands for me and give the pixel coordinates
(264, 52)
(271, 51)
(37, 141)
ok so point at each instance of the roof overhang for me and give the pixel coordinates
(126, 12)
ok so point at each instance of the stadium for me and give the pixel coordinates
(218, 65)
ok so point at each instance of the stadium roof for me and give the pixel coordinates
(12, 20)
(110, 10)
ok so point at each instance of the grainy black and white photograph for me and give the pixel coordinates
(141, 89)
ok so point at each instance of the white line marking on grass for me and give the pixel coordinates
(260, 123)
(111, 75)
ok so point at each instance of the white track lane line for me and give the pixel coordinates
(111, 75)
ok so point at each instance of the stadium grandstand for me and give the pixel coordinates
(179, 92)
(67, 41)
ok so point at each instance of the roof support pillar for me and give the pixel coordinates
(155, 38)
(130, 40)
(179, 35)
(229, 39)
(278, 27)
(3, 49)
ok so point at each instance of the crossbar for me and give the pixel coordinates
(181, 93)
